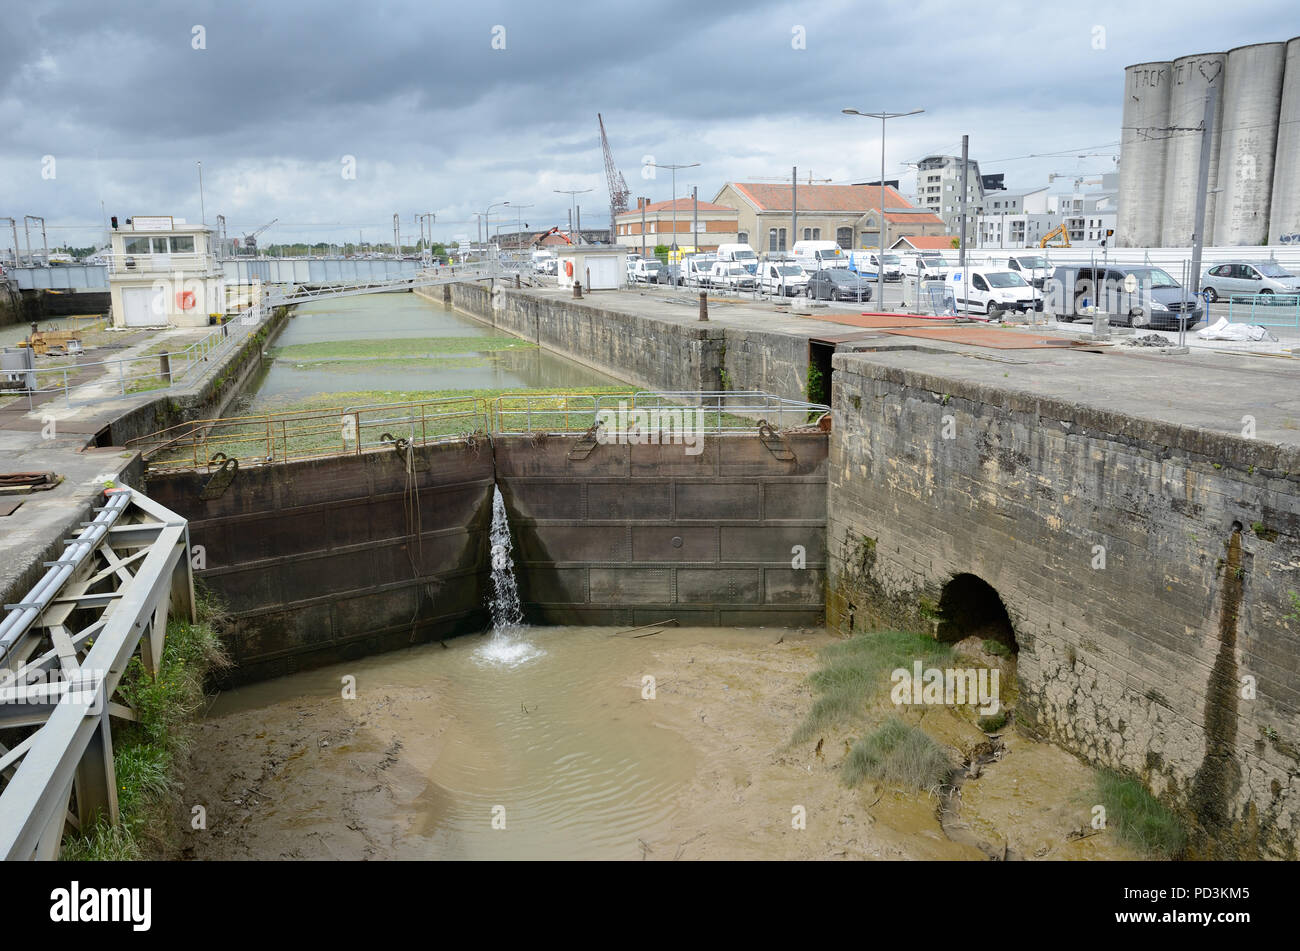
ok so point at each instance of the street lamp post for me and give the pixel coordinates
(484, 219)
(880, 256)
(673, 247)
(573, 194)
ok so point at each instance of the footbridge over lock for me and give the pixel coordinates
(331, 535)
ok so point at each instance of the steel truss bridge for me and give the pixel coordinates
(63, 652)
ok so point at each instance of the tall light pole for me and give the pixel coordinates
(673, 247)
(484, 219)
(519, 218)
(880, 256)
(573, 194)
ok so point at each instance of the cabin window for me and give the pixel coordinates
(137, 245)
(183, 244)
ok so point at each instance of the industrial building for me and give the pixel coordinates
(712, 224)
(846, 214)
(1254, 176)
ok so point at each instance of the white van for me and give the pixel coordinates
(991, 291)
(782, 278)
(740, 253)
(696, 269)
(814, 256)
(924, 265)
(731, 276)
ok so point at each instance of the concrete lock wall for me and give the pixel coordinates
(1177, 661)
(649, 353)
(733, 535)
(319, 561)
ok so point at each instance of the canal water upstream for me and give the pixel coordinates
(382, 347)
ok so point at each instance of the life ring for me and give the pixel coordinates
(568, 269)
(185, 300)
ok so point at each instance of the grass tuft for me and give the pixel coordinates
(147, 753)
(1138, 818)
(858, 669)
(898, 755)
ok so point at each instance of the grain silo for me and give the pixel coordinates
(1190, 80)
(1284, 218)
(1252, 97)
(1143, 148)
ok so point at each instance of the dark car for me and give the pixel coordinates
(1130, 296)
(838, 283)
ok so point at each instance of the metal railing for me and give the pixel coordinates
(146, 372)
(1265, 310)
(309, 434)
(353, 430)
(191, 262)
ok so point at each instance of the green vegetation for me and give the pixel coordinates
(397, 348)
(994, 722)
(899, 755)
(1138, 818)
(857, 670)
(996, 648)
(149, 753)
(816, 388)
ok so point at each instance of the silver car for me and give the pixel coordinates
(1242, 278)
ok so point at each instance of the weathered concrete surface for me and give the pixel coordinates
(330, 559)
(655, 340)
(1180, 658)
(636, 534)
(55, 436)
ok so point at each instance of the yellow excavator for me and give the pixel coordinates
(1060, 231)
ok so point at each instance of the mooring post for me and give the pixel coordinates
(517, 284)
(165, 367)
(577, 290)
(704, 305)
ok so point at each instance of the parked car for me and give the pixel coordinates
(731, 276)
(672, 274)
(814, 256)
(696, 269)
(1248, 278)
(838, 283)
(1034, 268)
(739, 253)
(991, 291)
(783, 278)
(646, 271)
(1151, 296)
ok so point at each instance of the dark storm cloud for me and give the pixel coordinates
(437, 119)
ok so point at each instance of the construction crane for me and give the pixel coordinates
(556, 230)
(618, 190)
(250, 240)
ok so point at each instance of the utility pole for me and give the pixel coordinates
(880, 231)
(695, 218)
(203, 217)
(643, 202)
(961, 244)
(794, 204)
(672, 248)
(1202, 193)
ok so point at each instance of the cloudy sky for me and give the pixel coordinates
(450, 107)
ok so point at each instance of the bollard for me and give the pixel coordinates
(704, 305)
(165, 367)
(577, 290)
(517, 284)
